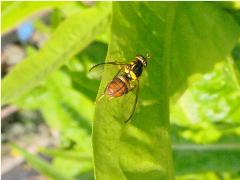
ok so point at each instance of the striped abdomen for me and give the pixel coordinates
(117, 87)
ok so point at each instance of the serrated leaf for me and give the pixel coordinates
(182, 39)
(70, 37)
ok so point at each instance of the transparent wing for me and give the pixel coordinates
(128, 101)
(104, 92)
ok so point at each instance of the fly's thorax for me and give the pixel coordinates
(136, 70)
(128, 73)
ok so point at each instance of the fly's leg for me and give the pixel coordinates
(110, 98)
(100, 97)
(132, 88)
(135, 102)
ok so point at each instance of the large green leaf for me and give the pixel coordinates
(70, 37)
(141, 149)
(182, 39)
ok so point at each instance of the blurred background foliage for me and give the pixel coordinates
(205, 121)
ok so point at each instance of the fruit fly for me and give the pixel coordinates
(126, 79)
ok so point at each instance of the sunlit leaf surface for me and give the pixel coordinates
(182, 39)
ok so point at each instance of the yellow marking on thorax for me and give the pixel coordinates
(132, 74)
(126, 70)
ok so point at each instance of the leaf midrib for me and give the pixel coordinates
(168, 42)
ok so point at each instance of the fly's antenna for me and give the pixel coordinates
(148, 56)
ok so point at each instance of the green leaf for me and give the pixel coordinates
(71, 36)
(68, 110)
(203, 34)
(14, 13)
(209, 108)
(39, 164)
(182, 39)
(60, 111)
(140, 149)
(220, 158)
(70, 113)
(216, 157)
(70, 162)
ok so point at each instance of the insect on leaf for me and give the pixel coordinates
(182, 39)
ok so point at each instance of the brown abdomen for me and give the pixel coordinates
(116, 88)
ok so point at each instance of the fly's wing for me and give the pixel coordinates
(128, 101)
(102, 95)
(97, 70)
(104, 91)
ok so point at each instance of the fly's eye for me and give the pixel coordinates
(141, 57)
